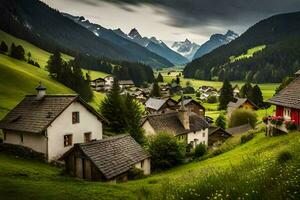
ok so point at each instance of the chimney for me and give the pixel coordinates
(41, 91)
(183, 114)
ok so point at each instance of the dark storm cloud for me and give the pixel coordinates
(185, 13)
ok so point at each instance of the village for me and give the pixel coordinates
(67, 131)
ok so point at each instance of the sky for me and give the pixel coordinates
(176, 20)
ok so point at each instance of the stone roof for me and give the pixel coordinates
(214, 129)
(240, 102)
(114, 155)
(126, 82)
(169, 122)
(239, 129)
(154, 103)
(34, 116)
(187, 101)
(289, 96)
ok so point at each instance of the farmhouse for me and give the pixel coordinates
(51, 124)
(207, 89)
(193, 106)
(98, 84)
(107, 159)
(287, 101)
(126, 83)
(240, 103)
(186, 126)
(217, 136)
(236, 90)
(156, 106)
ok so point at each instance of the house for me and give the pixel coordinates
(193, 106)
(109, 80)
(155, 105)
(107, 159)
(236, 91)
(217, 136)
(287, 101)
(186, 126)
(240, 103)
(126, 83)
(98, 84)
(207, 89)
(51, 124)
(239, 129)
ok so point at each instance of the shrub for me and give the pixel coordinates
(284, 156)
(200, 150)
(241, 117)
(212, 99)
(135, 173)
(188, 90)
(166, 151)
(290, 125)
(247, 137)
(221, 121)
(277, 120)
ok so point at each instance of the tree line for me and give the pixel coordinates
(17, 52)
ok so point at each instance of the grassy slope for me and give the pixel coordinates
(249, 53)
(18, 79)
(33, 180)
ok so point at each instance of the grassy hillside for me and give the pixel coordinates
(18, 79)
(248, 54)
(27, 179)
(37, 54)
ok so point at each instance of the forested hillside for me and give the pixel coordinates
(280, 57)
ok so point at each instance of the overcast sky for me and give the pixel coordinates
(176, 20)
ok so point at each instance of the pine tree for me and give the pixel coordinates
(221, 121)
(226, 95)
(112, 109)
(155, 90)
(246, 90)
(3, 47)
(55, 64)
(133, 115)
(160, 78)
(17, 52)
(257, 97)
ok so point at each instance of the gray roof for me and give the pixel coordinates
(214, 129)
(114, 155)
(32, 115)
(239, 129)
(154, 103)
(126, 82)
(289, 96)
(240, 102)
(169, 122)
(187, 101)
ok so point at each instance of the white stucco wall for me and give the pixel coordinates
(199, 136)
(88, 122)
(146, 166)
(35, 141)
(149, 130)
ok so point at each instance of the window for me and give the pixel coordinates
(87, 136)
(287, 113)
(203, 134)
(142, 164)
(22, 138)
(75, 117)
(68, 140)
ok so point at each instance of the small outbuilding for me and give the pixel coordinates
(217, 135)
(108, 159)
(193, 106)
(240, 103)
(157, 106)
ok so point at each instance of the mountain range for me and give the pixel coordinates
(215, 41)
(185, 48)
(22, 18)
(267, 52)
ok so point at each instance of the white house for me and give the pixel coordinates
(51, 124)
(185, 125)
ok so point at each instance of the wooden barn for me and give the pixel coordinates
(217, 136)
(157, 106)
(107, 159)
(193, 106)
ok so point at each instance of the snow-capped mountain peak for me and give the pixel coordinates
(186, 48)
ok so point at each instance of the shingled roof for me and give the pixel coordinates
(34, 116)
(157, 104)
(187, 101)
(114, 155)
(240, 102)
(239, 129)
(289, 96)
(169, 122)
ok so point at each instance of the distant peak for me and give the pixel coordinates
(134, 33)
(187, 41)
(230, 32)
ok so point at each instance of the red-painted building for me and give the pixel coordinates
(287, 101)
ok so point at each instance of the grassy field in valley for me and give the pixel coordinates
(28, 179)
(249, 53)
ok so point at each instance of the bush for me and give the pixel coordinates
(166, 151)
(135, 173)
(212, 99)
(200, 150)
(221, 121)
(284, 156)
(188, 90)
(246, 138)
(241, 117)
(290, 125)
